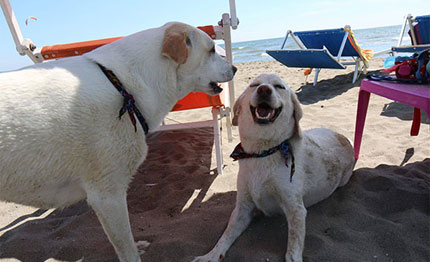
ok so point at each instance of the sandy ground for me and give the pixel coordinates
(179, 203)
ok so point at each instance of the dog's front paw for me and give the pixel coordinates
(142, 245)
(293, 258)
(209, 258)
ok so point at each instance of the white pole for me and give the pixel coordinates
(342, 46)
(234, 20)
(403, 30)
(297, 40)
(217, 141)
(285, 39)
(229, 53)
(411, 27)
(13, 25)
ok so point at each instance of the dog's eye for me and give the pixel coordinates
(279, 86)
(188, 42)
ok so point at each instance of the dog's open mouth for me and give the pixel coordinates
(216, 87)
(264, 113)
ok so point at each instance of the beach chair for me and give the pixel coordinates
(419, 31)
(323, 49)
(220, 107)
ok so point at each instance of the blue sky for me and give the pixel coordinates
(78, 20)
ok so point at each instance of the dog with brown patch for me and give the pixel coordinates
(61, 140)
(282, 169)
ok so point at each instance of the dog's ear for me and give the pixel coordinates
(175, 44)
(236, 110)
(298, 113)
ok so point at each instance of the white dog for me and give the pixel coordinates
(283, 170)
(61, 140)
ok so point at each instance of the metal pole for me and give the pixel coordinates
(13, 25)
(229, 53)
(342, 46)
(403, 30)
(234, 20)
(411, 27)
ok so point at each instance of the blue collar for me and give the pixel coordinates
(129, 104)
(284, 148)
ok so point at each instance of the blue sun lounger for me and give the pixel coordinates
(323, 49)
(419, 32)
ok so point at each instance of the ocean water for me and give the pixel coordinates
(377, 39)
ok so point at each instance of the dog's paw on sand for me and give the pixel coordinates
(142, 245)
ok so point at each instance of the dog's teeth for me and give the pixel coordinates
(264, 117)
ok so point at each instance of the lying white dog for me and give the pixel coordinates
(61, 140)
(282, 169)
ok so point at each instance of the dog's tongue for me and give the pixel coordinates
(263, 111)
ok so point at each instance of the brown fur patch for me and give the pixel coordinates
(333, 169)
(236, 110)
(344, 142)
(174, 44)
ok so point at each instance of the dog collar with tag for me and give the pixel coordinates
(284, 148)
(129, 104)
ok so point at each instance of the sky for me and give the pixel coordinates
(66, 21)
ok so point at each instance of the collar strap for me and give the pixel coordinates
(284, 148)
(129, 104)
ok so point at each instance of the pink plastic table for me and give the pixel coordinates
(417, 96)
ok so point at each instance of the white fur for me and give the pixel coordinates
(60, 137)
(324, 160)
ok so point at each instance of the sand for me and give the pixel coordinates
(180, 205)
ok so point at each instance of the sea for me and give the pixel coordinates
(378, 39)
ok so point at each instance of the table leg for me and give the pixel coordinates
(415, 129)
(363, 102)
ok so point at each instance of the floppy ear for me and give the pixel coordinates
(297, 114)
(236, 110)
(175, 44)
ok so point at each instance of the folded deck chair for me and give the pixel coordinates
(323, 49)
(419, 33)
(220, 107)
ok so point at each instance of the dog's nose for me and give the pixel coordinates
(264, 91)
(234, 70)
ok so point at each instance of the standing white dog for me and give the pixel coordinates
(283, 170)
(60, 137)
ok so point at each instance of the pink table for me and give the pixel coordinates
(417, 96)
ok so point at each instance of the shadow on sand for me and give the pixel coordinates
(327, 89)
(381, 213)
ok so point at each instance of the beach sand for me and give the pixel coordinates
(180, 205)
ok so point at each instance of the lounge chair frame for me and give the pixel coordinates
(220, 109)
(415, 47)
(337, 63)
